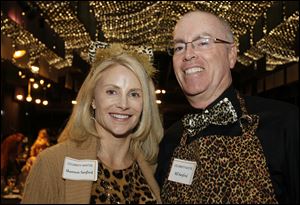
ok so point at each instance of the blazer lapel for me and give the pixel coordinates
(149, 176)
(79, 192)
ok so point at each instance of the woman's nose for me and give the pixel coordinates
(123, 102)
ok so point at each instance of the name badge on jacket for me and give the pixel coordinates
(182, 171)
(76, 169)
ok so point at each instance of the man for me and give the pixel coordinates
(231, 148)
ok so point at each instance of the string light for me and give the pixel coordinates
(277, 45)
(144, 22)
(21, 36)
(65, 23)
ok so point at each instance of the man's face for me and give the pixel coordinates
(203, 74)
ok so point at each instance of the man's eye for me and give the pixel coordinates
(202, 42)
(178, 48)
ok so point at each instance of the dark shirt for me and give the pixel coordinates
(278, 132)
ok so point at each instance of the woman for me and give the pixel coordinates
(108, 149)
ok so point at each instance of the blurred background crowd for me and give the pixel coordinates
(17, 157)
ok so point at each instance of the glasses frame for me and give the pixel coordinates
(215, 40)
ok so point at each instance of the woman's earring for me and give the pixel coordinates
(93, 105)
(94, 110)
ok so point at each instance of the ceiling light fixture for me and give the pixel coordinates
(19, 53)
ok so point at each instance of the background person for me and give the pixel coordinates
(42, 142)
(11, 148)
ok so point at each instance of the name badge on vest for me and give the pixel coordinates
(76, 169)
(182, 171)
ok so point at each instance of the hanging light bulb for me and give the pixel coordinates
(29, 98)
(45, 101)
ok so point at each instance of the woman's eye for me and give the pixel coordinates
(111, 92)
(135, 94)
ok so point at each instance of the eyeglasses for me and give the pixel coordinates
(199, 44)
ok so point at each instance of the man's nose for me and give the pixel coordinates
(189, 52)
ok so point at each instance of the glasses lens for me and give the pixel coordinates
(202, 43)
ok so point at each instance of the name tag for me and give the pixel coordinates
(76, 169)
(182, 171)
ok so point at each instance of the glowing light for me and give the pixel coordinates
(35, 85)
(37, 101)
(18, 54)
(19, 97)
(28, 98)
(34, 69)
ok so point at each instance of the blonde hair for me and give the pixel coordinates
(149, 131)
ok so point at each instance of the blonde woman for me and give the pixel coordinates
(107, 151)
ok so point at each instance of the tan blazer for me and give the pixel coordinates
(45, 185)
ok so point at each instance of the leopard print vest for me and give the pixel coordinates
(230, 169)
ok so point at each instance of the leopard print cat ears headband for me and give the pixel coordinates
(100, 51)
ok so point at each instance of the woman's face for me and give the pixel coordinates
(118, 101)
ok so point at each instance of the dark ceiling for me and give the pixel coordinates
(56, 35)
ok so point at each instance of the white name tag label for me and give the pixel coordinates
(76, 169)
(182, 171)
